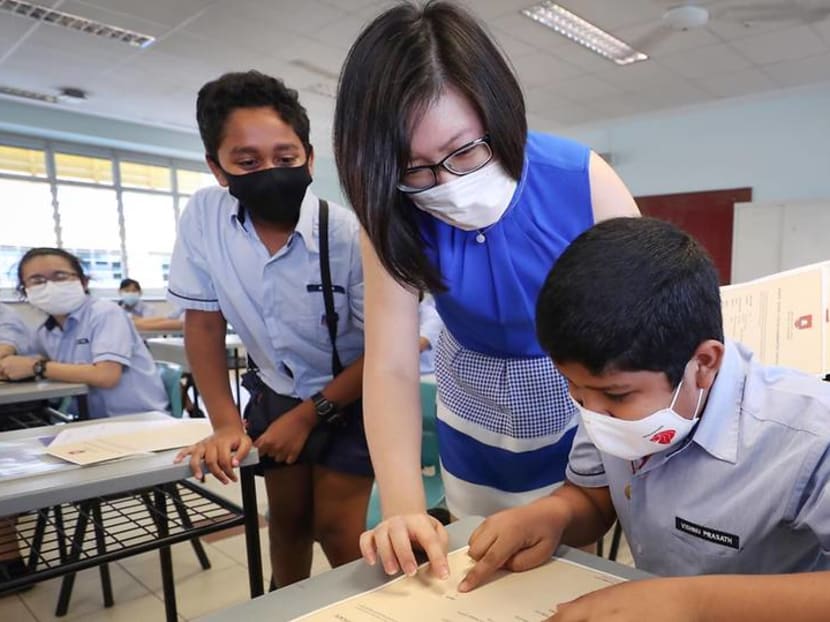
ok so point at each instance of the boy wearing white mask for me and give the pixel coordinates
(84, 339)
(713, 463)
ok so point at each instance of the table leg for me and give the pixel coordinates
(251, 531)
(101, 545)
(165, 557)
(236, 378)
(68, 581)
(83, 408)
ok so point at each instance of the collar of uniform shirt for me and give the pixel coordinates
(717, 431)
(50, 323)
(308, 226)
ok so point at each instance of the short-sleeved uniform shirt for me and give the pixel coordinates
(275, 303)
(748, 492)
(100, 331)
(13, 331)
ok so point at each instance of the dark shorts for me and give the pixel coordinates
(341, 448)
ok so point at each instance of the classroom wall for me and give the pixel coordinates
(779, 144)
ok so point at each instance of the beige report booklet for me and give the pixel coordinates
(783, 318)
(508, 597)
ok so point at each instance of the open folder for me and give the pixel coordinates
(113, 439)
(783, 318)
(530, 596)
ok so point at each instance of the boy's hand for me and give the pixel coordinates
(285, 438)
(222, 452)
(668, 600)
(517, 539)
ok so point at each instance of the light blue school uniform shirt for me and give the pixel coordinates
(100, 331)
(139, 309)
(749, 492)
(275, 303)
(13, 331)
(430, 328)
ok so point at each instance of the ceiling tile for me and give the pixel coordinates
(588, 88)
(351, 6)
(114, 18)
(156, 11)
(15, 26)
(705, 61)
(663, 40)
(823, 29)
(804, 71)
(730, 30)
(513, 47)
(737, 84)
(780, 45)
(614, 15)
(542, 69)
(306, 17)
(342, 33)
(639, 76)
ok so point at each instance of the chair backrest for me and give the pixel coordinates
(429, 438)
(171, 376)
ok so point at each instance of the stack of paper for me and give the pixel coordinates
(114, 439)
(531, 596)
(783, 318)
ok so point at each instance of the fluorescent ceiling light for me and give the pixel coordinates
(10, 91)
(583, 32)
(73, 22)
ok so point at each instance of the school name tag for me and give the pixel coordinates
(707, 533)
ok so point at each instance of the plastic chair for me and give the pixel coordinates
(430, 463)
(171, 377)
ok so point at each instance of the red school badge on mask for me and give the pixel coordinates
(663, 437)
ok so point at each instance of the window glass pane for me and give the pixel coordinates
(89, 229)
(83, 168)
(19, 161)
(150, 228)
(32, 226)
(135, 175)
(189, 182)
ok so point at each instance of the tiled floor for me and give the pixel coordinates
(137, 580)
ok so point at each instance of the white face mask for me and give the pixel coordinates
(631, 440)
(471, 202)
(57, 298)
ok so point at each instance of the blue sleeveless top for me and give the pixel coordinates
(490, 303)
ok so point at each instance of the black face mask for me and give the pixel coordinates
(273, 195)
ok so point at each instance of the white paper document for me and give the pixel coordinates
(112, 439)
(783, 318)
(508, 597)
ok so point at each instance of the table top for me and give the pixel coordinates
(146, 334)
(38, 491)
(330, 587)
(29, 391)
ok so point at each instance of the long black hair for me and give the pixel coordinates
(402, 62)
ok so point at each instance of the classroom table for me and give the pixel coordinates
(42, 390)
(149, 334)
(330, 587)
(172, 349)
(135, 493)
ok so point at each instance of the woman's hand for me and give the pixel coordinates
(285, 438)
(391, 542)
(18, 367)
(222, 451)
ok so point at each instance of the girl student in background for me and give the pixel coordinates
(83, 339)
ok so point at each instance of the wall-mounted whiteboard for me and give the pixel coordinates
(771, 237)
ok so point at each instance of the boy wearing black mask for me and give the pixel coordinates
(283, 267)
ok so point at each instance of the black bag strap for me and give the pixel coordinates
(328, 292)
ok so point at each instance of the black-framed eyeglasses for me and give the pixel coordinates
(465, 160)
(58, 277)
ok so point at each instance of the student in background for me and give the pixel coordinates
(250, 252)
(15, 336)
(144, 318)
(713, 463)
(430, 329)
(84, 339)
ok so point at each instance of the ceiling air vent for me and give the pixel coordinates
(74, 22)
